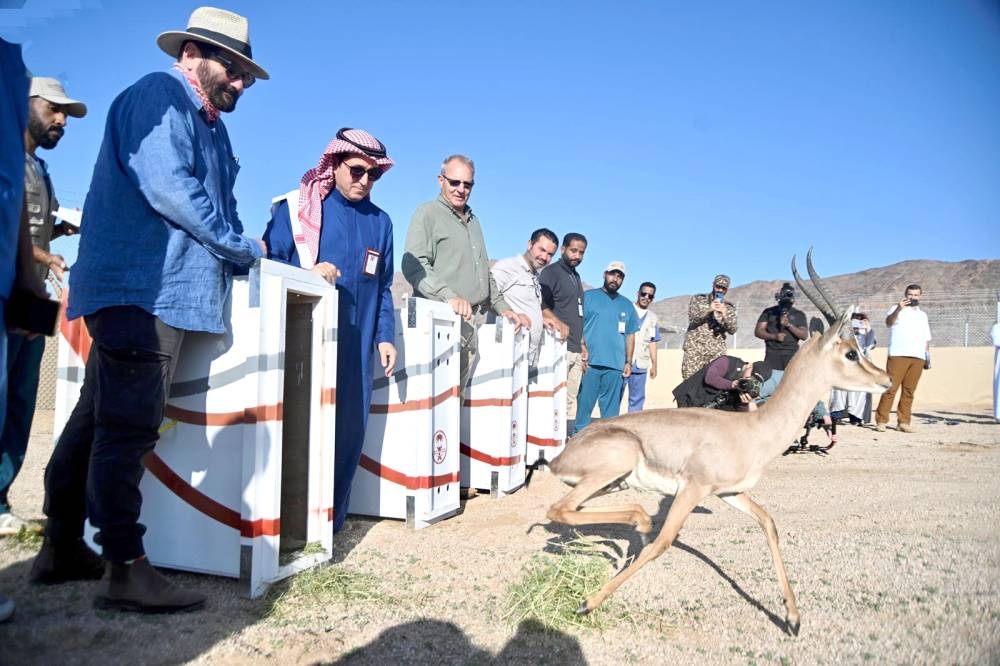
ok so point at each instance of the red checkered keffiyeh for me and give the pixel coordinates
(211, 113)
(317, 182)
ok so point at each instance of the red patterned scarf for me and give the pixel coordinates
(318, 181)
(211, 113)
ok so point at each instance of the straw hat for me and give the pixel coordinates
(222, 29)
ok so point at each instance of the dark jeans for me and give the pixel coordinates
(97, 463)
(24, 357)
(778, 359)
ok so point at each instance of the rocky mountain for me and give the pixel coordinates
(960, 299)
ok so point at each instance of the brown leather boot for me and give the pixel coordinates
(64, 562)
(140, 588)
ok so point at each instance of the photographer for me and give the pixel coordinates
(728, 383)
(781, 327)
(710, 318)
(909, 356)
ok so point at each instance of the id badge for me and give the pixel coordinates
(371, 262)
(621, 327)
(579, 306)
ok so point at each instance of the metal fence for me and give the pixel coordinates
(957, 319)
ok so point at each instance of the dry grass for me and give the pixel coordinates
(552, 588)
(322, 586)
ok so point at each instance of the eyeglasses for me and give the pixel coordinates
(645, 294)
(455, 183)
(374, 173)
(234, 71)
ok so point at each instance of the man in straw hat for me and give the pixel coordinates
(162, 237)
(330, 226)
(48, 109)
(710, 318)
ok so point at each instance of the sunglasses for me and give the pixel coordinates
(455, 183)
(234, 71)
(374, 173)
(645, 294)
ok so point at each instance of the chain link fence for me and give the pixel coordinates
(958, 319)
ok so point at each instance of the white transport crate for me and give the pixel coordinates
(547, 401)
(409, 465)
(495, 410)
(241, 480)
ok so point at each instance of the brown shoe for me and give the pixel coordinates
(905, 427)
(880, 427)
(140, 588)
(62, 563)
(468, 493)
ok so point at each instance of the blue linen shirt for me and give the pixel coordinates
(601, 315)
(13, 120)
(160, 229)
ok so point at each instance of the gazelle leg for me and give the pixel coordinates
(763, 518)
(568, 511)
(684, 503)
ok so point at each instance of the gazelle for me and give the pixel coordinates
(693, 453)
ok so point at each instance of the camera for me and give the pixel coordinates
(785, 297)
(914, 302)
(749, 385)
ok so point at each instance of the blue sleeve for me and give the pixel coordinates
(631, 321)
(385, 328)
(278, 237)
(156, 131)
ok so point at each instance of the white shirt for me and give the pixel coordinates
(523, 293)
(910, 334)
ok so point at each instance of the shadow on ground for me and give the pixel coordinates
(58, 625)
(951, 418)
(607, 534)
(443, 643)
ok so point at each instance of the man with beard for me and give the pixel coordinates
(562, 293)
(517, 279)
(445, 258)
(156, 260)
(644, 358)
(330, 225)
(48, 109)
(609, 325)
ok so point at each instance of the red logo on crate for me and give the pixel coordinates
(555, 420)
(440, 447)
(513, 435)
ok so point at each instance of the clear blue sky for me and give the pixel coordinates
(684, 138)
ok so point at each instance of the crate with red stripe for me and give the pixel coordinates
(241, 482)
(410, 461)
(547, 401)
(495, 410)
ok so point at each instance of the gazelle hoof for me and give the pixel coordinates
(792, 627)
(582, 610)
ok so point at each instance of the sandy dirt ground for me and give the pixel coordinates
(892, 544)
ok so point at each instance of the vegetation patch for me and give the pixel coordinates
(551, 590)
(322, 585)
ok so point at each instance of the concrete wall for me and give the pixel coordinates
(958, 376)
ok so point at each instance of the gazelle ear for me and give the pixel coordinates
(838, 330)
